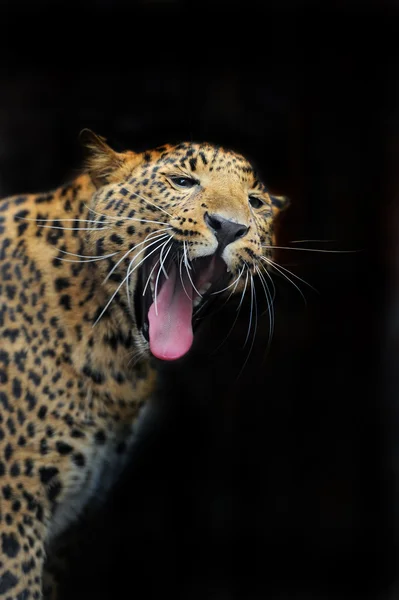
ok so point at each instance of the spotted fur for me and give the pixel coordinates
(71, 392)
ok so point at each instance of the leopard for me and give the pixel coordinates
(101, 280)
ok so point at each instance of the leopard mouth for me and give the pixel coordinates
(168, 298)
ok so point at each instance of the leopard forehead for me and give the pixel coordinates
(200, 158)
(210, 164)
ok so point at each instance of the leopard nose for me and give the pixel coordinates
(224, 230)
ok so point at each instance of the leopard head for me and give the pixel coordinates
(185, 223)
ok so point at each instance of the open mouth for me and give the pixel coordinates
(169, 295)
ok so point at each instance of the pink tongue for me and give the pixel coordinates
(170, 332)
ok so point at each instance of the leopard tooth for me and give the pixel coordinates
(196, 301)
(204, 288)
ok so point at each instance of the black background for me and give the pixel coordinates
(278, 482)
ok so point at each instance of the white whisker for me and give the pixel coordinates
(130, 271)
(231, 284)
(253, 300)
(130, 265)
(237, 313)
(160, 235)
(80, 262)
(251, 311)
(286, 277)
(162, 263)
(60, 220)
(181, 276)
(274, 264)
(199, 308)
(188, 272)
(266, 272)
(122, 218)
(269, 300)
(152, 204)
(185, 256)
(245, 289)
(74, 228)
(149, 276)
(310, 249)
(136, 356)
(129, 302)
(310, 241)
(159, 272)
(86, 256)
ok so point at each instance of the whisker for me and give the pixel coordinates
(253, 295)
(149, 276)
(269, 299)
(235, 287)
(291, 273)
(162, 263)
(159, 236)
(73, 228)
(314, 241)
(159, 272)
(163, 245)
(60, 220)
(79, 262)
(86, 256)
(287, 278)
(245, 289)
(203, 304)
(270, 307)
(181, 276)
(237, 314)
(310, 249)
(229, 286)
(122, 218)
(129, 267)
(129, 302)
(152, 204)
(185, 255)
(123, 281)
(266, 272)
(251, 311)
(188, 272)
(199, 308)
(136, 355)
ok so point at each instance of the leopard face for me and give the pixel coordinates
(178, 226)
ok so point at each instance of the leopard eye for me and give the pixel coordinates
(183, 182)
(255, 202)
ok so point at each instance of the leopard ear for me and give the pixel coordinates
(279, 203)
(103, 164)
